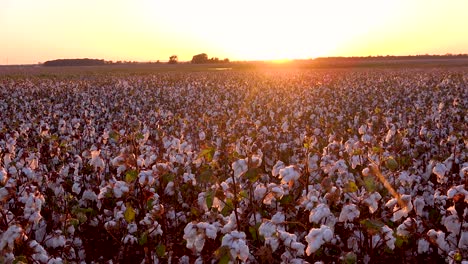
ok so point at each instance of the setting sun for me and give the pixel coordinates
(146, 30)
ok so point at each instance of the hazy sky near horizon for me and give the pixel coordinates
(33, 31)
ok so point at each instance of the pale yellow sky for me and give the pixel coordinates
(34, 31)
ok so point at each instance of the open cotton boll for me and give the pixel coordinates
(440, 170)
(373, 201)
(289, 174)
(120, 187)
(388, 236)
(349, 213)
(240, 167)
(319, 213)
(277, 167)
(317, 237)
(237, 245)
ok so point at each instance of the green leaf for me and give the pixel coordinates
(20, 259)
(252, 174)
(351, 187)
(207, 153)
(227, 209)
(223, 254)
(205, 176)
(209, 198)
(391, 164)
(287, 199)
(168, 177)
(253, 232)
(143, 238)
(131, 176)
(350, 258)
(369, 183)
(244, 194)
(114, 135)
(129, 214)
(372, 226)
(161, 250)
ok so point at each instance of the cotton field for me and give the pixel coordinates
(290, 166)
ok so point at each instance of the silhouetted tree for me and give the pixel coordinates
(173, 59)
(75, 62)
(200, 58)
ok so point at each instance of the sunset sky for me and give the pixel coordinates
(33, 31)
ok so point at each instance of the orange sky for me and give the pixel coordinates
(33, 31)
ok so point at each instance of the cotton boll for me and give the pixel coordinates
(240, 167)
(440, 170)
(452, 223)
(349, 213)
(317, 237)
(319, 213)
(289, 174)
(423, 246)
(235, 241)
(373, 201)
(419, 205)
(277, 167)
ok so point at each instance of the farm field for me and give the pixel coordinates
(247, 165)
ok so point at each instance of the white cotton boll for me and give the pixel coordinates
(230, 225)
(362, 129)
(277, 167)
(463, 242)
(201, 135)
(366, 138)
(76, 188)
(189, 177)
(273, 242)
(452, 223)
(317, 237)
(365, 172)
(319, 213)
(169, 190)
(278, 218)
(103, 191)
(439, 238)
(398, 212)
(132, 228)
(285, 126)
(240, 167)
(89, 195)
(419, 204)
(355, 161)
(423, 246)
(267, 229)
(349, 213)
(120, 187)
(146, 178)
(8, 237)
(56, 260)
(260, 191)
(373, 201)
(391, 132)
(211, 231)
(129, 239)
(55, 240)
(3, 176)
(290, 173)
(440, 170)
(405, 228)
(235, 241)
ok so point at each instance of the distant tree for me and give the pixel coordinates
(74, 62)
(200, 58)
(226, 60)
(173, 59)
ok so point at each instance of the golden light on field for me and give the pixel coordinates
(143, 30)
